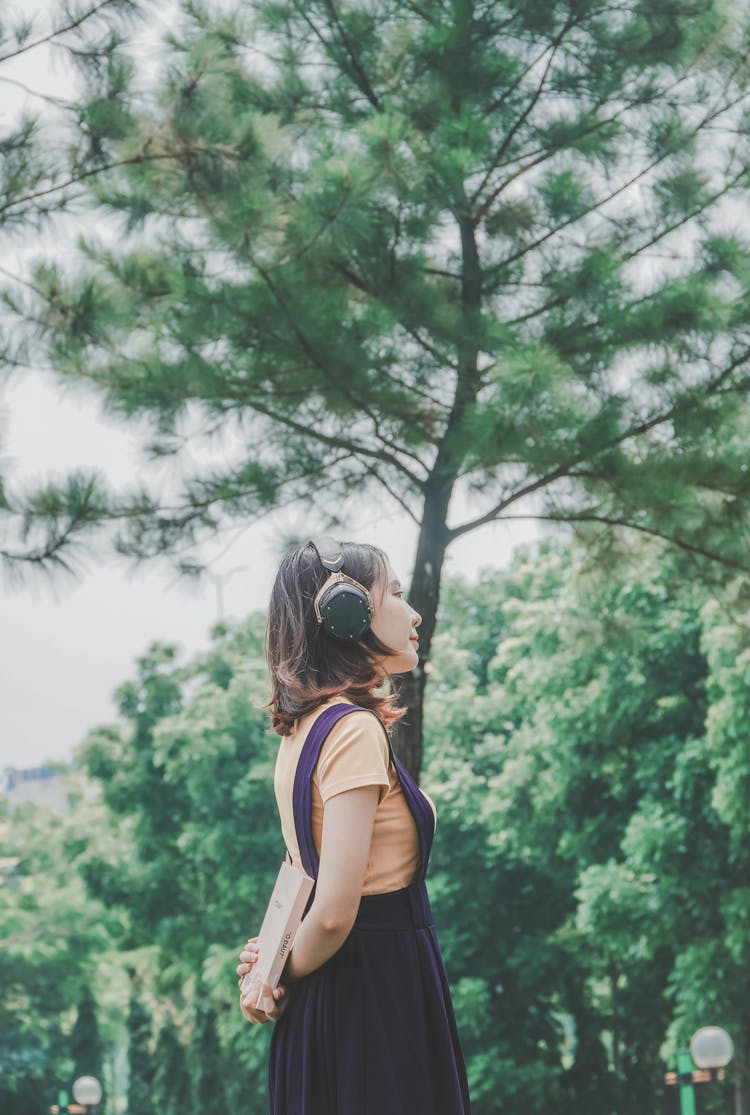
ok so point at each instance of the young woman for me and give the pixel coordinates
(364, 1023)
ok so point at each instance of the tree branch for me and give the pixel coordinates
(442, 274)
(360, 284)
(508, 138)
(559, 300)
(58, 102)
(373, 471)
(364, 82)
(600, 104)
(304, 248)
(673, 539)
(725, 189)
(339, 443)
(141, 157)
(60, 31)
(549, 154)
(566, 468)
(336, 383)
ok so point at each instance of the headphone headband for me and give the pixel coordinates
(329, 551)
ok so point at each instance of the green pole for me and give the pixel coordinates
(685, 1079)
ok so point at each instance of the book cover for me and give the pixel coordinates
(282, 918)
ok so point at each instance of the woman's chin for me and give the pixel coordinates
(403, 663)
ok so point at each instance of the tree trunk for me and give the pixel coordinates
(434, 534)
(424, 596)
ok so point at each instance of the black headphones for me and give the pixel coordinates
(342, 606)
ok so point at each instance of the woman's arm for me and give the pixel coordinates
(344, 851)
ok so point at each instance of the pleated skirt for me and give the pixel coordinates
(372, 1031)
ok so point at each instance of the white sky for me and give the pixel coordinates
(66, 647)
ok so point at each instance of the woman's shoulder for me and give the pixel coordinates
(359, 724)
(303, 723)
(354, 753)
(355, 736)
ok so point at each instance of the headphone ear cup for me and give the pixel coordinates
(345, 612)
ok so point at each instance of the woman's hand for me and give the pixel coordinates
(250, 993)
(250, 997)
(248, 959)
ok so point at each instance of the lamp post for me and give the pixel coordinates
(712, 1048)
(87, 1091)
(219, 579)
(685, 1081)
(710, 1052)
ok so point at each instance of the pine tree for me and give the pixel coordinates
(172, 1085)
(421, 249)
(210, 1095)
(86, 1047)
(141, 1061)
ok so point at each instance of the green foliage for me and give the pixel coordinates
(189, 774)
(590, 905)
(55, 944)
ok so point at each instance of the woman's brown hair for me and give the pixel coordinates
(308, 666)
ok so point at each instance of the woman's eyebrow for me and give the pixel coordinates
(395, 584)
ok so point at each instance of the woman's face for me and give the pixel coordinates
(395, 623)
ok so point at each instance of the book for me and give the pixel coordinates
(281, 921)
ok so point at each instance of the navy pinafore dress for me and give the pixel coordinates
(372, 1031)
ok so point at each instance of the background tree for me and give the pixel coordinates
(140, 1059)
(188, 775)
(56, 941)
(172, 1086)
(586, 881)
(212, 1065)
(86, 1047)
(425, 251)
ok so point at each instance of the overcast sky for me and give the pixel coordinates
(66, 647)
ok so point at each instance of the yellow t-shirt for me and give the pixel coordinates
(355, 753)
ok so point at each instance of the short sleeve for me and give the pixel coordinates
(354, 754)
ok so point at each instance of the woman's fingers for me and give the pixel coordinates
(250, 989)
(249, 998)
(281, 1001)
(253, 991)
(248, 958)
(257, 992)
(252, 1014)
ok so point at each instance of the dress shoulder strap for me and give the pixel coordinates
(302, 791)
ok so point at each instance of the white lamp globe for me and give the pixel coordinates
(87, 1091)
(711, 1047)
